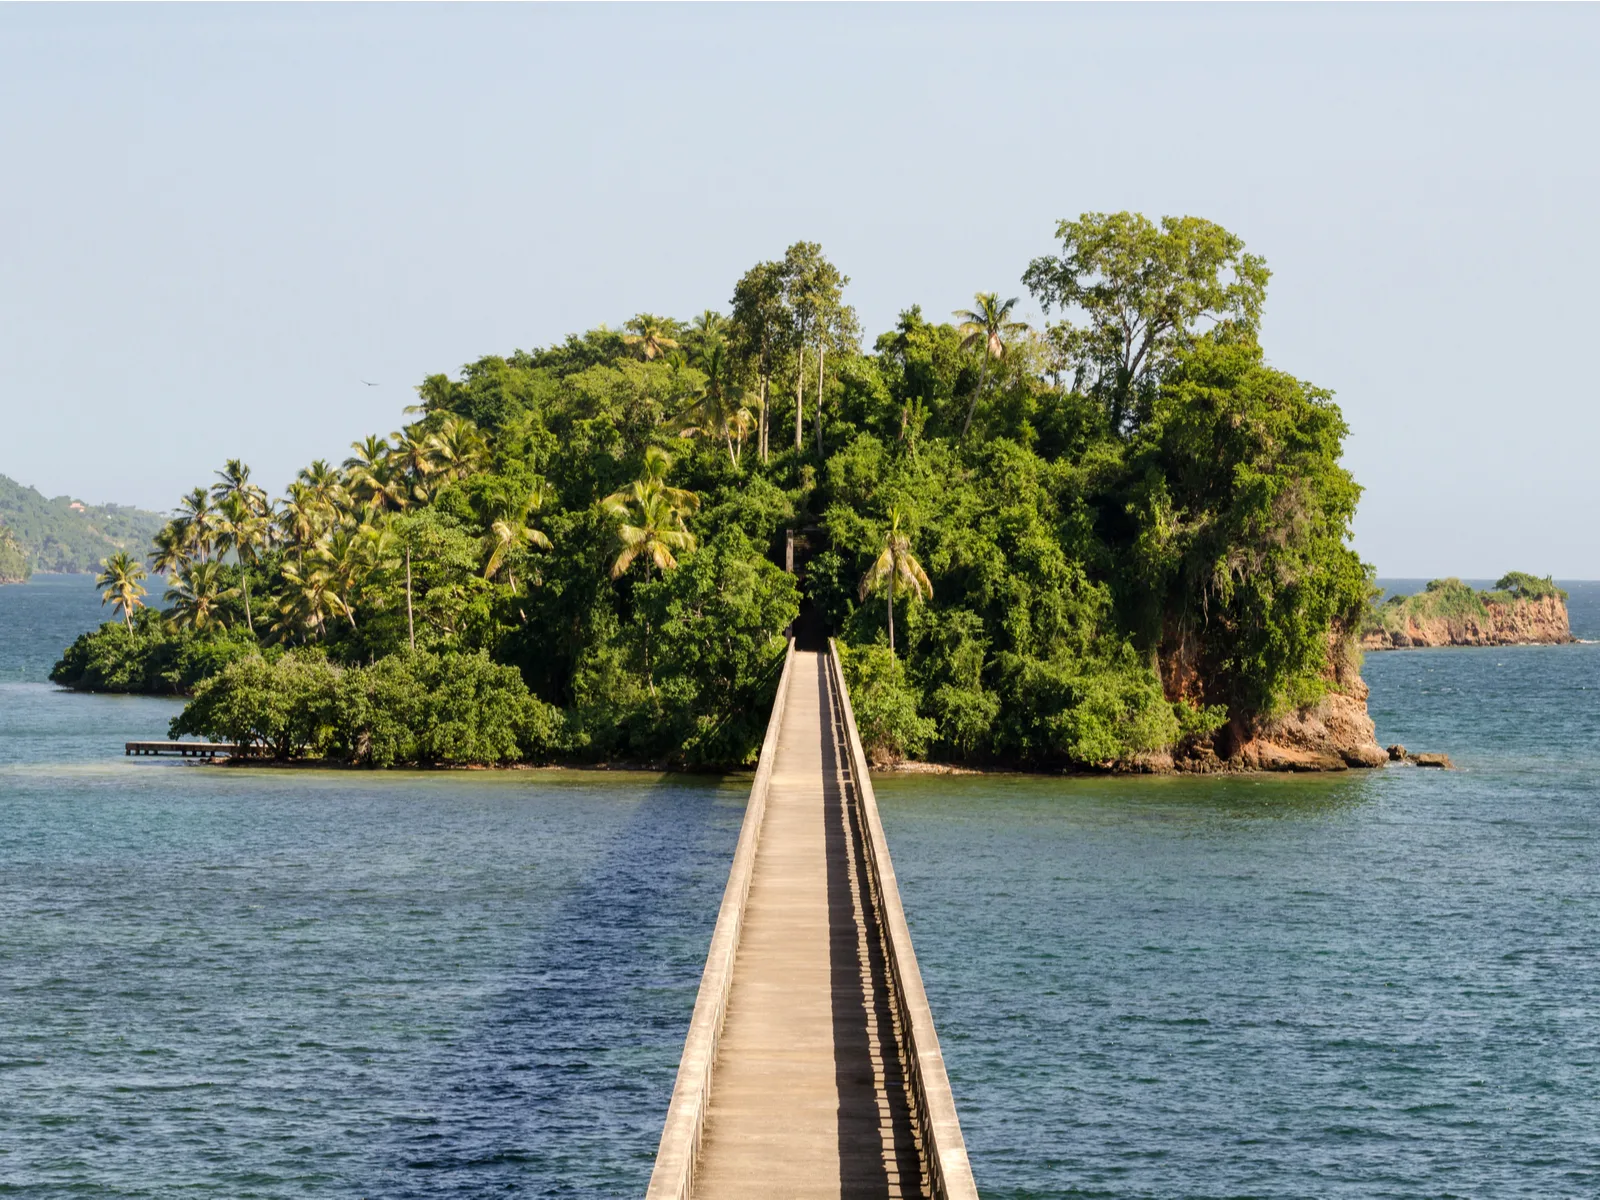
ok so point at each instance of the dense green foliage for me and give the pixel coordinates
(150, 657)
(1092, 541)
(66, 535)
(407, 708)
(1522, 586)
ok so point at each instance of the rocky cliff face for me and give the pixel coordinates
(1514, 622)
(1334, 734)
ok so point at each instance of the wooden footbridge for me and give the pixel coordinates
(811, 1068)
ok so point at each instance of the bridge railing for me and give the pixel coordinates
(673, 1177)
(944, 1149)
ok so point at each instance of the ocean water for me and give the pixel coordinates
(276, 983)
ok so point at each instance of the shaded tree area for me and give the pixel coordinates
(1122, 533)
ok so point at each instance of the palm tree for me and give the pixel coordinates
(651, 335)
(652, 481)
(120, 577)
(234, 481)
(322, 485)
(373, 478)
(170, 551)
(896, 570)
(303, 516)
(651, 516)
(197, 597)
(716, 411)
(986, 326)
(710, 324)
(653, 527)
(457, 449)
(511, 530)
(342, 560)
(196, 519)
(416, 459)
(244, 527)
(306, 602)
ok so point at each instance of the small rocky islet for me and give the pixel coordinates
(1520, 610)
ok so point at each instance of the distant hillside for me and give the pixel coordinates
(64, 534)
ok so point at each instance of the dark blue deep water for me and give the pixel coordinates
(275, 983)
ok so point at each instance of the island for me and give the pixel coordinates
(1116, 542)
(1520, 610)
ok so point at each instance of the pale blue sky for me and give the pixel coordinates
(218, 220)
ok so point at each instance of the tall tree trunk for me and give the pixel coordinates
(411, 628)
(800, 400)
(891, 616)
(822, 358)
(248, 623)
(761, 435)
(972, 405)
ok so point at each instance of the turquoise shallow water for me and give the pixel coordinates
(289, 983)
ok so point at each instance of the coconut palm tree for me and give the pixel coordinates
(415, 457)
(343, 561)
(456, 448)
(170, 552)
(306, 602)
(654, 528)
(651, 516)
(370, 475)
(120, 576)
(302, 517)
(234, 481)
(896, 570)
(653, 480)
(196, 519)
(716, 409)
(197, 597)
(710, 325)
(986, 328)
(323, 487)
(244, 527)
(512, 529)
(650, 335)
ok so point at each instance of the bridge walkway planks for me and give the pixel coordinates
(808, 1096)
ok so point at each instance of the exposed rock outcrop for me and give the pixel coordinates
(1402, 755)
(1333, 734)
(1450, 613)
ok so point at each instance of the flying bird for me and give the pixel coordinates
(369, 383)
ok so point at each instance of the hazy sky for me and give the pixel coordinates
(218, 221)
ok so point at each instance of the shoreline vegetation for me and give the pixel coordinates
(1520, 610)
(1116, 542)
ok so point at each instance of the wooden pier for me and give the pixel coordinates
(811, 1067)
(190, 749)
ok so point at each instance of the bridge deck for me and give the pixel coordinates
(808, 1096)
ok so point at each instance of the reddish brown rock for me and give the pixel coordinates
(1520, 623)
